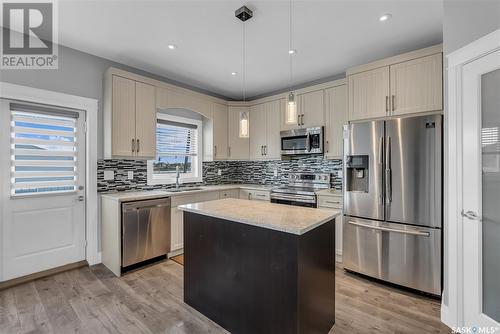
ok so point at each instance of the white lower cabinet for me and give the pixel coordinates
(177, 216)
(334, 201)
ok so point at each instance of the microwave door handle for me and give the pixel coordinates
(308, 142)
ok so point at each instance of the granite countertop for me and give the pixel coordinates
(126, 196)
(286, 218)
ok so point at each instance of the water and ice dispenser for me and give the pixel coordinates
(357, 178)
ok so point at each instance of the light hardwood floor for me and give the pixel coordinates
(93, 300)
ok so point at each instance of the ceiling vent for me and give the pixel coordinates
(243, 13)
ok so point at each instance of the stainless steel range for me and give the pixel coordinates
(301, 189)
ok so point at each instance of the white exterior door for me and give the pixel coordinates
(42, 189)
(481, 184)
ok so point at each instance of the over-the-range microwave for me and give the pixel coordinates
(302, 141)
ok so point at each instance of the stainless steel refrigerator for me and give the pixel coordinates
(393, 201)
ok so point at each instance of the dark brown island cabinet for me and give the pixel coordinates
(251, 272)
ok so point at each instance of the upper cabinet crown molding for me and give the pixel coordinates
(396, 59)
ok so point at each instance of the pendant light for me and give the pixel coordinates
(291, 105)
(244, 121)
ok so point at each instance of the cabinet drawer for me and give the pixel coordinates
(330, 202)
(231, 193)
(256, 195)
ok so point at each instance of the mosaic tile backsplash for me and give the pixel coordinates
(253, 172)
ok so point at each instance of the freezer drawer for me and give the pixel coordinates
(402, 254)
(145, 230)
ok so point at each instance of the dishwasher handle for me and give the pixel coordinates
(146, 204)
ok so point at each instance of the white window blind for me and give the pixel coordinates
(43, 151)
(176, 139)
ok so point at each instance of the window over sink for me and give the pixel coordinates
(178, 145)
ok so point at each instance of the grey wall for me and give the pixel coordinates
(79, 74)
(467, 20)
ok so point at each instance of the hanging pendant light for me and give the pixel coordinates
(291, 105)
(244, 125)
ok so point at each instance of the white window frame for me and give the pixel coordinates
(197, 164)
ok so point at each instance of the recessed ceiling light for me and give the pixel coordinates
(172, 46)
(292, 51)
(234, 73)
(385, 17)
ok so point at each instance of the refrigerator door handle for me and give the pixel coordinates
(388, 171)
(388, 229)
(381, 163)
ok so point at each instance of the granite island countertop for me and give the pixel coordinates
(285, 218)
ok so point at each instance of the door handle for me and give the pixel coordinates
(308, 142)
(133, 145)
(80, 198)
(388, 171)
(470, 215)
(381, 163)
(386, 104)
(388, 229)
(215, 151)
(229, 151)
(392, 103)
(138, 147)
(265, 150)
(302, 119)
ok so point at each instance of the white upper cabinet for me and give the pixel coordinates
(406, 84)
(122, 117)
(273, 125)
(311, 109)
(417, 85)
(369, 94)
(336, 116)
(130, 114)
(145, 120)
(258, 131)
(238, 147)
(220, 128)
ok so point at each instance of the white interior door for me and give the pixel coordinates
(42, 193)
(481, 196)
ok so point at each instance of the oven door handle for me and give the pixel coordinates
(295, 198)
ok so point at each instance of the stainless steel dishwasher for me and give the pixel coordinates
(145, 230)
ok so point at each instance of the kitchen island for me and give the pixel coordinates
(258, 267)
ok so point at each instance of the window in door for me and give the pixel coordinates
(178, 146)
(43, 151)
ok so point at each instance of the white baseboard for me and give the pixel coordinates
(175, 252)
(338, 255)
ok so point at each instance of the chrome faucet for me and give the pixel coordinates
(177, 174)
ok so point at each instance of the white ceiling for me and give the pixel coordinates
(329, 36)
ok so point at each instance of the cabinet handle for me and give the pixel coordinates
(302, 118)
(387, 104)
(138, 146)
(262, 150)
(229, 151)
(215, 151)
(393, 106)
(249, 196)
(265, 150)
(133, 145)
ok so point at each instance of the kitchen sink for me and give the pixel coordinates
(178, 190)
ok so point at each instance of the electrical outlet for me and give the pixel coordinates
(275, 173)
(219, 172)
(109, 175)
(130, 174)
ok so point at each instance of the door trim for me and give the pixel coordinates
(452, 307)
(90, 106)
